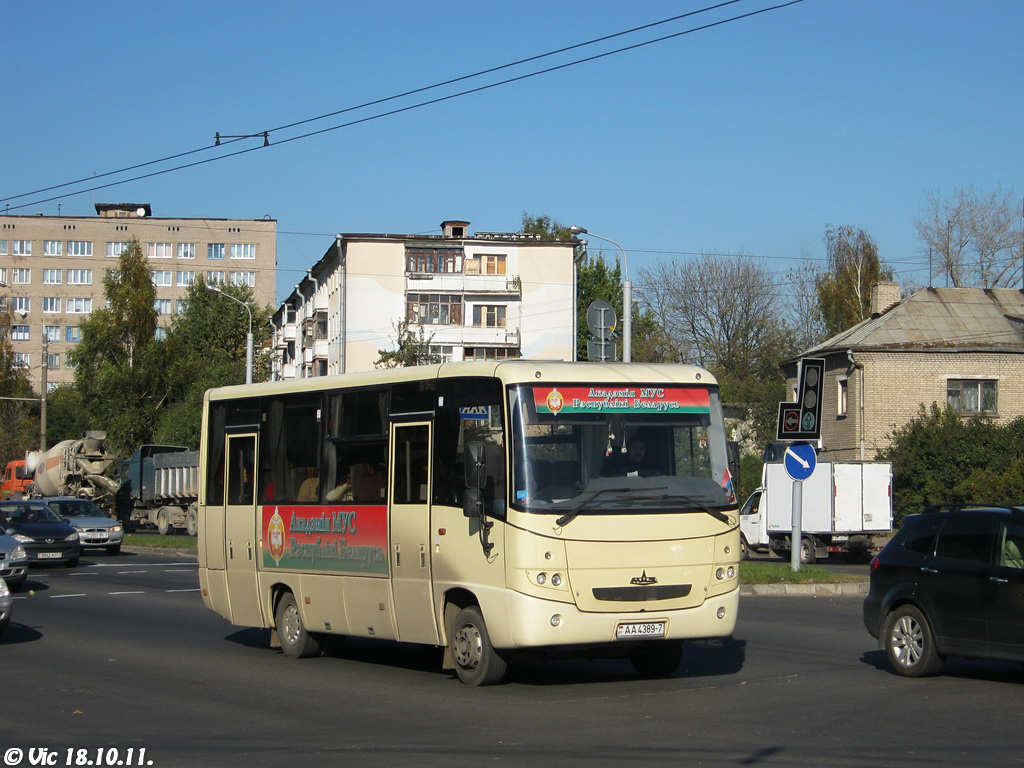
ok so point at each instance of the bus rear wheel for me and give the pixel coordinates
(296, 642)
(476, 661)
(657, 659)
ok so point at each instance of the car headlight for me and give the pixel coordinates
(4, 591)
(78, 528)
(115, 529)
(18, 553)
(21, 537)
(71, 536)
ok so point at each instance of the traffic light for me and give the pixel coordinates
(802, 420)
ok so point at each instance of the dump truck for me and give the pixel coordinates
(160, 487)
(845, 506)
(16, 480)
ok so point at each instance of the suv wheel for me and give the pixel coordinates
(910, 644)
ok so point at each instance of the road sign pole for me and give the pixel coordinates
(796, 536)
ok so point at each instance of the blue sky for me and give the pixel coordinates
(749, 137)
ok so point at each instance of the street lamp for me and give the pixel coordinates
(627, 295)
(248, 336)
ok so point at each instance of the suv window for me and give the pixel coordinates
(1011, 545)
(919, 538)
(966, 539)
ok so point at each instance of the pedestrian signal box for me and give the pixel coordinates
(802, 420)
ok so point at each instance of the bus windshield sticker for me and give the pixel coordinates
(554, 400)
(319, 538)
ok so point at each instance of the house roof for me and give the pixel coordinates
(938, 319)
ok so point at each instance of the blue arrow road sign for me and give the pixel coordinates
(800, 460)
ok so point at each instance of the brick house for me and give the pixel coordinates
(961, 346)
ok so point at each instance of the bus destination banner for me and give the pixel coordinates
(621, 399)
(334, 539)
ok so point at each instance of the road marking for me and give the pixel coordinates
(124, 573)
(187, 563)
(57, 597)
(194, 589)
(126, 593)
(83, 573)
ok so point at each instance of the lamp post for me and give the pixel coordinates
(248, 336)
(627, 295)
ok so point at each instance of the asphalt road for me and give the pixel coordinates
(120, 653)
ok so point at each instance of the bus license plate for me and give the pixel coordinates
(640, 629)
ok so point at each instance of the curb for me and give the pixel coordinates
(830, 589)
(178, 551)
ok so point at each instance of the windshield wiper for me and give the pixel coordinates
(569, 516)
(721, 516)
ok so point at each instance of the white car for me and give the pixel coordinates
(13, 562)
(95, 529)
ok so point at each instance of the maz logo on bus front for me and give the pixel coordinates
(643, 579)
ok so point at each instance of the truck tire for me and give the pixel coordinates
(163, 523)
(807, 551)
(192, 521)
(744, 548)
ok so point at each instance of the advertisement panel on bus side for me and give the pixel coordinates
(326, 538)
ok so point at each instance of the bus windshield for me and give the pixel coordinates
(591, 449)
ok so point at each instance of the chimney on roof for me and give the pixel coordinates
(456, 229)
(884, 296)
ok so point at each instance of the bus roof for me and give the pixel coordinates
(520, 371)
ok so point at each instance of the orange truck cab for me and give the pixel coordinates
(16, 480)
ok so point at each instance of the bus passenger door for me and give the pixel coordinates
(409, 525)
(240, 530)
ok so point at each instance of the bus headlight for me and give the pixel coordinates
(720, 574)
(556, 620)
(542, 578)
(556, 580)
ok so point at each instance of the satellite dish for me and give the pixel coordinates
(601, 319)
(141, 212)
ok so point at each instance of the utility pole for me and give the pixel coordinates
(42, 393)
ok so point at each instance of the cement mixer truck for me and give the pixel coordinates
(79, 467)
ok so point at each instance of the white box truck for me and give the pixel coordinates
(845, 504)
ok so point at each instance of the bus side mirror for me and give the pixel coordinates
(473, 503)
(732, 449)
(476, 465)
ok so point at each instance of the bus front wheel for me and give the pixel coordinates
(476, 661)
(296, 642)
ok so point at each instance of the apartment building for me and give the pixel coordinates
(52, 268)
(482, 296)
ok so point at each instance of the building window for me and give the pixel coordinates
(161, 333)
(79, 248)
(186, 277)
(432, 260)
(162, 277)
(52, 276)
(21, 276)
(53, 247)
(186, 250)
(486, 264)
(215, 277)
(21, 304)
(434, 309)
(51, 304)
(489, 316)
(971, 396)
(79, 277)
(78, 306)
(242, 278)
(182, 306)
(51, 332)
(72, 333)
(215, 251)
(442, 353)
(842, 396)
(21, 247)
(491, 353)
(22, 359)
(243, 250)
(20, 333)
(53, 361)
(115, 249)
(158, 250)
(3, 247)
(162, 306)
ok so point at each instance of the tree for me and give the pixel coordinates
(206, 348)
(722, 313)
(545, 226)
(411, 348)
(119, 364)
(19, 425)
(974, 238)
(844, 290)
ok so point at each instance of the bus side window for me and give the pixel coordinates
(469, 410)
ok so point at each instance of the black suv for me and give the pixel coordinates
(950, 583)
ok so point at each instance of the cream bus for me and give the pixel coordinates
(484, 507)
